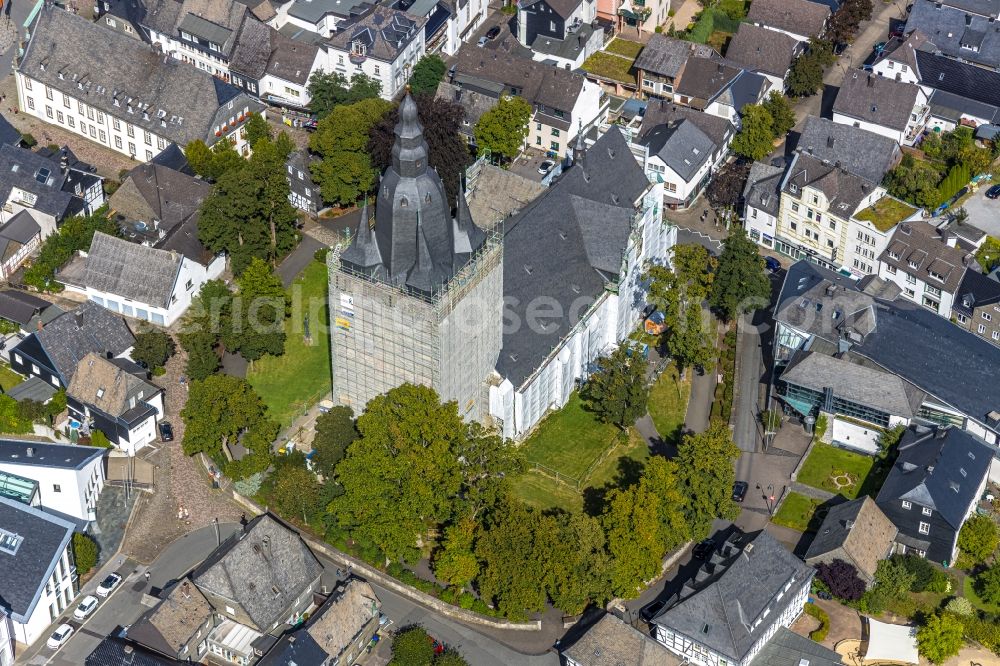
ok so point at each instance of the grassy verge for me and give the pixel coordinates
(799, 513)
(569, 440)
(289, 384)
(8, 378)
(836, 470)
(668, 399)
(544, 493)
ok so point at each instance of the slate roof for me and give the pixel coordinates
(666, 56)
(193, 101)
(950, 28)
(105, 386)
(313, 11)
(850, 381)
(611, 642)
(787, 648)
(920, 244)
(474, 102)
(965, 80)
(952, 107)
(168, 626)
(859, 151)
(24, 574)
(876, 100)
(384, 31)
(982, 7)
(290, 59)
(115, 651)
(20, 307)
(859, 531)
(748, 88)
(660, 112)
(584, 219)
(72, 335)
(563, 8)
(8, 133)
(173, 157)
(941, 469)
(17, 232)
(801, 17)
(539, 84)
(763, 50)
(137, 272)
(38, 175)
(249, 566)
(845, 191)
(976, 290)
(705, 78)
(252, 48)
(763, 188)
(682, 147)
(45, 454)
(735, 588)
(32, 388)
(905, 51)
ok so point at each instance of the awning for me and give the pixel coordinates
(892, 642)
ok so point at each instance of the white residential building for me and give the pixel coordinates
(683, 158)
(116, 91)
(69, 477)
(559, 33)
(891, 108)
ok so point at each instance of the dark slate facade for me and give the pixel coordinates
(541, 20)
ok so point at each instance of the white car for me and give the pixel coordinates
(108, 584)
(86, 607)
(59, 636)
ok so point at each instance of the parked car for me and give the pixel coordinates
(740, 491)
(482, 41)
(166, 431)
(772, 264)
(704, 550)
(839, 48)
(59, 636)
(545, 167)
(493, 32)
(652, 610)
(86, 607)
(110, 582)
(993, 192)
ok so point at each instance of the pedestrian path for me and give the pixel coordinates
(815, 493)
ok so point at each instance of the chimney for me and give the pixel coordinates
(848, 524)
(829, 141)
(79, 318)
(40, 325)
(30, 452)
(871, 81)
(968, 19)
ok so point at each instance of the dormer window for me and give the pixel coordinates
(359, 48)
(913, 264)
(893, 255)
(936, 276)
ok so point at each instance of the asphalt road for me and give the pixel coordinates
(984, 213)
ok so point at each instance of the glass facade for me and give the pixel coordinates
(800, 396)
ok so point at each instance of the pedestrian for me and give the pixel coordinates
(146, 575)
(121, 561)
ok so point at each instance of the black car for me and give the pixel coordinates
(166, 431)
(993, 192)
(839, 48)
(652, 610)
(772, 264)
(704, 550)
(740, 491)
(493, 32)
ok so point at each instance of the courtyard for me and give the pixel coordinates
(842, 472)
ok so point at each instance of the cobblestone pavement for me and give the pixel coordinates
(180, 482)
(108, 162)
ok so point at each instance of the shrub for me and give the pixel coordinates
(978, 538)
(249, 486)
(926, 577)
(98, 438)
(29, 140)
(940, 638)
(960, 606)
(320, 254)
(842, 580)
(412, 646)
(984, 630)
(987, 585)
(85, 552)
(818, 634)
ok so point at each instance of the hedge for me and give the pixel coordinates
(818, 634)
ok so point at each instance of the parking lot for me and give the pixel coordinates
(527, 166)
(984, 213)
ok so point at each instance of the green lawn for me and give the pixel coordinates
(544, 493)
(8, 378)
(886, 213)
(610, 66)
(799, 513)
(569, 440)
(624, 47)
(623, 464)
(970, 594)
(668, 399)
(838, 471)
(289, 384)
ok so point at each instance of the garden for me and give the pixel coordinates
(800, 512)
(842, 472)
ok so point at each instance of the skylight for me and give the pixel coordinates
(10, 542)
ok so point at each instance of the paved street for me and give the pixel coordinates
(984, 213)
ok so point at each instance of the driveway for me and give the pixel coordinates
(984, 213)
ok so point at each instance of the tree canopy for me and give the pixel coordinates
(345, 171)
(678, 292)
(617, 392)
(503, 129)
(335, 431)
(782, 114)
(940, 637)
(153, 348)
(978, 538)
(257, 315)
(76, 233)
(706, 476)
(213, 163)
(328, 90)
(726, 187)
(740, 284)
(755, 140)
(806, 75)
(842, 579)
(427, 74)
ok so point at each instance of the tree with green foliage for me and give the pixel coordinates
(782, 114)
(202, 358)
(454, 562)
(99, 439)
(223, 410)
(987, 585)
(450, 658)
(502, 130)
(632, 523)
(580, 568)
(893, 581)
(204, 324)
(295, 492)
(401, 475)
(706, 476)
(487, 463)
(940, 637)
(988, 254)
(75, 234)
(213, 163)
(12, 422)
(248, 214)
(85, 552)
(806, 75)
(257, 128)
(153, 348)
(329, 90)
(978, 538)
(618, 392)
(755, 140)
(511, 550)
(957, 178)
(915, 181)
(345, 172)
(412, 646)
(740, 284)
(678, 292)
(256, 325)
(427, 74)
(335, 431)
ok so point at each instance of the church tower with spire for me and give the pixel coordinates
(417, 296)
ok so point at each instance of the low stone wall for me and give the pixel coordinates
(373, 575)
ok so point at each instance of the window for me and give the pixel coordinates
(70, 121)
(996, 335)
(907, 505)
(118, 142)
(90, 113)
(910, 279)
(27, 84)
(927, 511)
(961, 318)
(555, 132)
(48, 111)
(116, 124)
(795, 208)
(554, 145)
(987, 316)
(130, 131)
(377, 73)
(793, 226)
(31, 103)
(48, 93)
(147, 138)
(891, 270)
(60, 117)
(188, 285)
(982, 329)
(538, 140)
(56, 488)
(753, 213)
(925, 528)
(149, 155)
(909, 292)
(104, 137)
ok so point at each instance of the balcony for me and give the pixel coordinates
(357, 58)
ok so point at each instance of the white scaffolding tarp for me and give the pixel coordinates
(892, 642)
